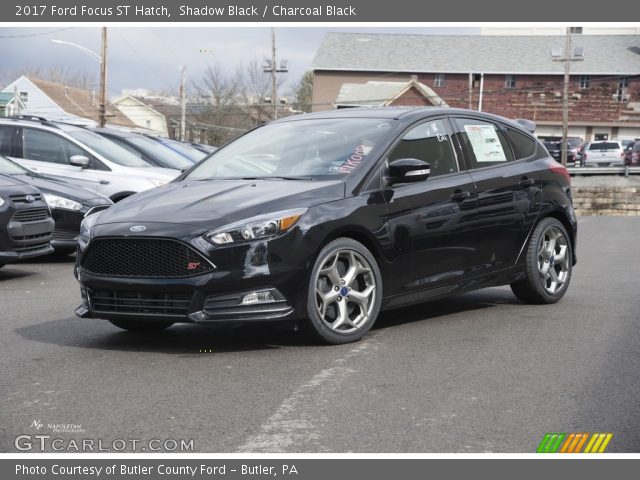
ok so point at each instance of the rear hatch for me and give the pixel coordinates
(604, 153)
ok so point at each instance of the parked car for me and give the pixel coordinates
(78, 156)
(203, 148)
(145, 149)
(573, 150)
(69, 204)
(25, 222)
(186, 150)
(328, 218)
(633, 154)
(603, 154)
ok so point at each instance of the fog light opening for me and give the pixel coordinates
(254, 298)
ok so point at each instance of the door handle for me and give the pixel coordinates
(460, 195)
(104, 182)
(526, 182)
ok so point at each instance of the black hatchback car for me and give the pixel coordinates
(330, 217)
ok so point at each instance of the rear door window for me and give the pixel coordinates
(485, 145)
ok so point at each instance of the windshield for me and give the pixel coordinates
(108, 149)
(604, 146)
(7, 167)
(304, 148)
(162, 154)
(185, 150)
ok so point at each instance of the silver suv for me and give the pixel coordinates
(603, 154)
(78, 156)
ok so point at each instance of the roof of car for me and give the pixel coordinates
(396, 113)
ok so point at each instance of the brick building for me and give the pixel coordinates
(512, 76)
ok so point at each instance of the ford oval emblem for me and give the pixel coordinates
(138, 228)
(30, 199)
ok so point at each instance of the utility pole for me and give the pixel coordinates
(272, 69)
(274, 88)
(183, 103)
(102, 110)
(565, 97)
(567, 57)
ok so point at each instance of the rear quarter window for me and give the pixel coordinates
(523, 145)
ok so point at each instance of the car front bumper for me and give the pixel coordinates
(213, 297)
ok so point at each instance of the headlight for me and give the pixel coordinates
(86, 230)
(258, 228)
(157, 182)
(1, 201)
(55, 201)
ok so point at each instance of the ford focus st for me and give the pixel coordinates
(329, 218)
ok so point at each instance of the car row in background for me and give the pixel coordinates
(145, 149)
(79, 156)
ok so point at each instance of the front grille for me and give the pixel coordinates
(61, 234)
(31, 215)
(32, 248)
(141, 303)
(32, 237)
(143, 257)
(23, 198)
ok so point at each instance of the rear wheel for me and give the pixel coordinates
(141, 327)
(345, 292)
(548, 264)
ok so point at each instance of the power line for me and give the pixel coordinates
(25, 35)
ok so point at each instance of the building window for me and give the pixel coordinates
(510, 81)
(438, 80)
(585, 81)
(24, 97)
(575, 30)
(476, 80)
(622, 93)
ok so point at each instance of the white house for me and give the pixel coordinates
(58, 102)
(141, 114)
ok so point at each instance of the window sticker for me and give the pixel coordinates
(485, 143)
(355, 159)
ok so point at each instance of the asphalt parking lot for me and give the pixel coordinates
(477, 373)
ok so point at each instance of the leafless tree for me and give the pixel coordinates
(66, 75)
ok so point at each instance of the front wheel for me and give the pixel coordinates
(345, 292)
(141, 326)
(548, 263)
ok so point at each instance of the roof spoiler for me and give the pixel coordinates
(528, 125)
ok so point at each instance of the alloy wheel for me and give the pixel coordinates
(345, 291)
(553, 259)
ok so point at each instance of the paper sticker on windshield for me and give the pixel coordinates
(354, 160)
(485, 143)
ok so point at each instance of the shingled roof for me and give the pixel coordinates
(79, 102)
(603, 54)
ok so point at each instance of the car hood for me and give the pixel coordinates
(214, 203)
(64, 189)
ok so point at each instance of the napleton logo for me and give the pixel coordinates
(574, 442)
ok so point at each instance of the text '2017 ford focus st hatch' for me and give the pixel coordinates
(328, 218)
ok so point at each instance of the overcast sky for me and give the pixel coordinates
(150, 57)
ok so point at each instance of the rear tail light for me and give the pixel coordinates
(559, 169)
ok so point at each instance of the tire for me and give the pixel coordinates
(548, 264)
(141, 326)
(336, 314)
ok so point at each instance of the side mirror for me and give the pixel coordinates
(408, 170)
(79, 161)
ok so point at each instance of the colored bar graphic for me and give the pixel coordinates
(550, 443)
(573, 442)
